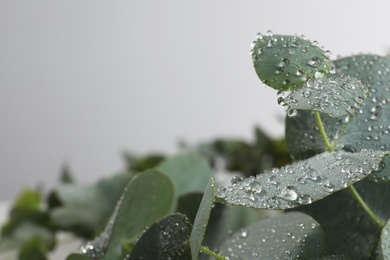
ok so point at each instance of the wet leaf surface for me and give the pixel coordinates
(336, 96)
(289, 236)
(302, 182)
(165, 239)
(349, 231)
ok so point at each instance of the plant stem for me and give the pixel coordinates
(211, 253)
(329, 147)
(366, 208)
(351, 188)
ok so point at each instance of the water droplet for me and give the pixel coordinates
(244, 234)
(305, 199)
(236, 180)
(289, 193)
(315, 62)
(292, 112)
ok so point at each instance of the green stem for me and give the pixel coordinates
(366, 208)
(329, 147)
(351, 188)
(211, 253)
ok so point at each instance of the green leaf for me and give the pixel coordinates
(189, 172)
(371, 128)
(202, 218)
(165, 239)
(368, 129)
(336, 96)
(290, 236)
(303, 137)
(286, 62)
(147, 198)
(385, 241)
(302, 182)
(348, 228)
(86, 208)
(188, 204)
(33, 249)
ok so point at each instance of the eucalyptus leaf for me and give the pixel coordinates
(368, 129)
(202, 218)
(303, 137)
(147, 198)
(165, 239)
(371, 128)
(189, 172)
(85, 209)
(290, 236)
(336, 96)
(385, 241)
(286, 62)
(349, 230)
(302, 182)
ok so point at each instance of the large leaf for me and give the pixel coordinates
(202, 218)
(348, 228)
(165, 239)
(189, 172)
(336, 96)
(368, 129)
(371, 128)
(147, 198)
(302, 182)
(85, 209)
(290, 236)
(285, 62)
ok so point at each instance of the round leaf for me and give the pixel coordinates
(286, 62)
(290, 236)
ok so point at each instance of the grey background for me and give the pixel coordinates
(81, 81)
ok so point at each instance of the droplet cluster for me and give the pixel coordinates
(334, 96)
(285, 62)
(302, 182)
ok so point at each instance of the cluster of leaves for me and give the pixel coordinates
(330, 203)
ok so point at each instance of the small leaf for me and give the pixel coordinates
(336, 96)
(349, 230)
(202, 218)
(148, 197)
(286, 62)
(385, 241)
(165, 239)
(290, 236)
(302, 182)
(189, 172)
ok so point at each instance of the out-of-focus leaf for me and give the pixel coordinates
(147, 198)
(142, 163)
(85, 209)
(189, 172)
(33, 249)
